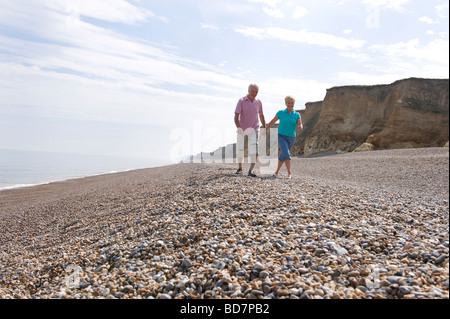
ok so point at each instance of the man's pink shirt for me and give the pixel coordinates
(249, 113)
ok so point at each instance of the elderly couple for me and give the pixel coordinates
(248, 113)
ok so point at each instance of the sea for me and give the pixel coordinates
(20, 168)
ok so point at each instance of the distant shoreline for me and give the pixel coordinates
(19, 186)
(21, 168)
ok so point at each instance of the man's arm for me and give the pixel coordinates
(236, 120)
(263, 120)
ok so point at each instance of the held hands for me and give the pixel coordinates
(263, 131)
(248, 131)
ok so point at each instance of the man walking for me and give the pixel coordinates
(247, 115)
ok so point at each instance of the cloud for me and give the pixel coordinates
(31, 91)
(302, 36)
(270, 3)
(96, 52)
(386, 63)
(87, 72)
(276, 13)
(426, 20)
(361, 78)
(442, 10)
(208, 26)
(436, 51)
(300, 12)
(396, 5)
(275, 8)
(116, 11)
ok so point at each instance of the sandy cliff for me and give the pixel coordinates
(310, 115)
(405, 114)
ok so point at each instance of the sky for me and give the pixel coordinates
(161, 79)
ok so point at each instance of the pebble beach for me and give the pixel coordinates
(369, 225)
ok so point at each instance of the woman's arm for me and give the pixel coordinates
(299, 124)
(272, 122)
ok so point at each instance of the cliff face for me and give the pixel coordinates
(407, 113)
(310, 115)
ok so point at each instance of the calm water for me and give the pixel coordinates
(27, 168)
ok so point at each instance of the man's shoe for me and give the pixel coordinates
(250, 173)
(239, 171)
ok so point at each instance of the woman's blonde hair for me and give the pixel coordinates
(289, 98)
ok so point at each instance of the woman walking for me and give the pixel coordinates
(290, 120)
